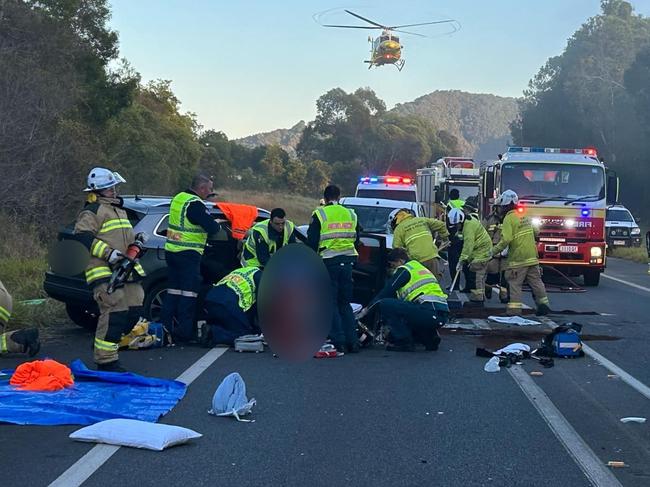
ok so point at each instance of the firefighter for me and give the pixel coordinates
(231, 307)
(268, 236)
(20, 341)
(412, 305)
(522, 264)
(103, 227)
(415, 234)
(496, 265)
(476, 252)
(454, 200)
(334, 234)
(190, 224)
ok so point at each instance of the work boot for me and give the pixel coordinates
(340, 347)
(111, 367)
(543, 310)
(28, 338)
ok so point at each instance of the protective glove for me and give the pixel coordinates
(142, 236)
(115, 256)
(459, 266)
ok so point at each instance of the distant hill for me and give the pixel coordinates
(286, 138)
(481, 122)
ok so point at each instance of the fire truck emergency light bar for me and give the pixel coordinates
(386, 179)
(550, 150)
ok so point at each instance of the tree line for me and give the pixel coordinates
(67, 104)
(597, 93)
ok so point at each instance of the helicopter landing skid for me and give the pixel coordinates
(398, 64)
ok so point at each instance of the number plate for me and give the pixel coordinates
(569, 248)
(619, 242)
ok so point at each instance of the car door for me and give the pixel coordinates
(369, 273)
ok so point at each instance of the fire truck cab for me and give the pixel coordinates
(565, 193)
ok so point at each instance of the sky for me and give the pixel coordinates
(245, 66)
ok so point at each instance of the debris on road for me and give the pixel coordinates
(616, 464)
(633, 419)
(537, 373)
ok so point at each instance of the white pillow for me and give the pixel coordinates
(136, 434)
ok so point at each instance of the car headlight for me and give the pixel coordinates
(596, 252)
(635, 231)
(536, 221)
(569, 222)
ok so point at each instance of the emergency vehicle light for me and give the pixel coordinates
(585, 212)
(385, 179)
(590, 151)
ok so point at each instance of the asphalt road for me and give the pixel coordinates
(381, 418)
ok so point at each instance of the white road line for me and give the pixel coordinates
(87, 465)
(594, 469)
(615, 369)
(631, 284)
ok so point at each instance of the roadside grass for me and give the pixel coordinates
(23, 262)
(636, 254)
(298, 208)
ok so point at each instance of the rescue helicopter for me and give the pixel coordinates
(385, 49)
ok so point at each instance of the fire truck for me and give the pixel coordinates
(436, 181)
(565, 193)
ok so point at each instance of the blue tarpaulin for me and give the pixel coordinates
(95, 396)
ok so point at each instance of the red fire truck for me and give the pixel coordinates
(565, 192)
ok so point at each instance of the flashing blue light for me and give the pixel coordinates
(373, 180)
(585, 212)
(515, 149)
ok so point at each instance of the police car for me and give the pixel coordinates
(399, 188)
(622, 230)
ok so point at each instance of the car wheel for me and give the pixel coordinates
(82, 317)
(153, 301)
(592, 277)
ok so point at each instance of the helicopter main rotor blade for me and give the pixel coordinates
(351, 26)
(367, 20)
(410, 33)
(416, 25)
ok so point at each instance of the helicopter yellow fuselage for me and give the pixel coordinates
(387, 52)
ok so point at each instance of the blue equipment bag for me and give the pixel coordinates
(567, 344)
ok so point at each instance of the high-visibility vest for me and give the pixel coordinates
(422, 285)
(263, 229)
(181, 233)
(456, 203)
(242, 283)
(338, 231)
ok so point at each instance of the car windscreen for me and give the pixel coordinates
(386, 194)
(554, 181)
(619, 216)
(372, 218)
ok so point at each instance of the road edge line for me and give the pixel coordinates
(636, 384)
(592, 467)
(87, 465)
(631, 284)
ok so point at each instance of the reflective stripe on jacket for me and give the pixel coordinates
(263, 229)
(242, 283)
(422, 285)
(183, 234)
(109, 224)
(338, 231)
(518, 235)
